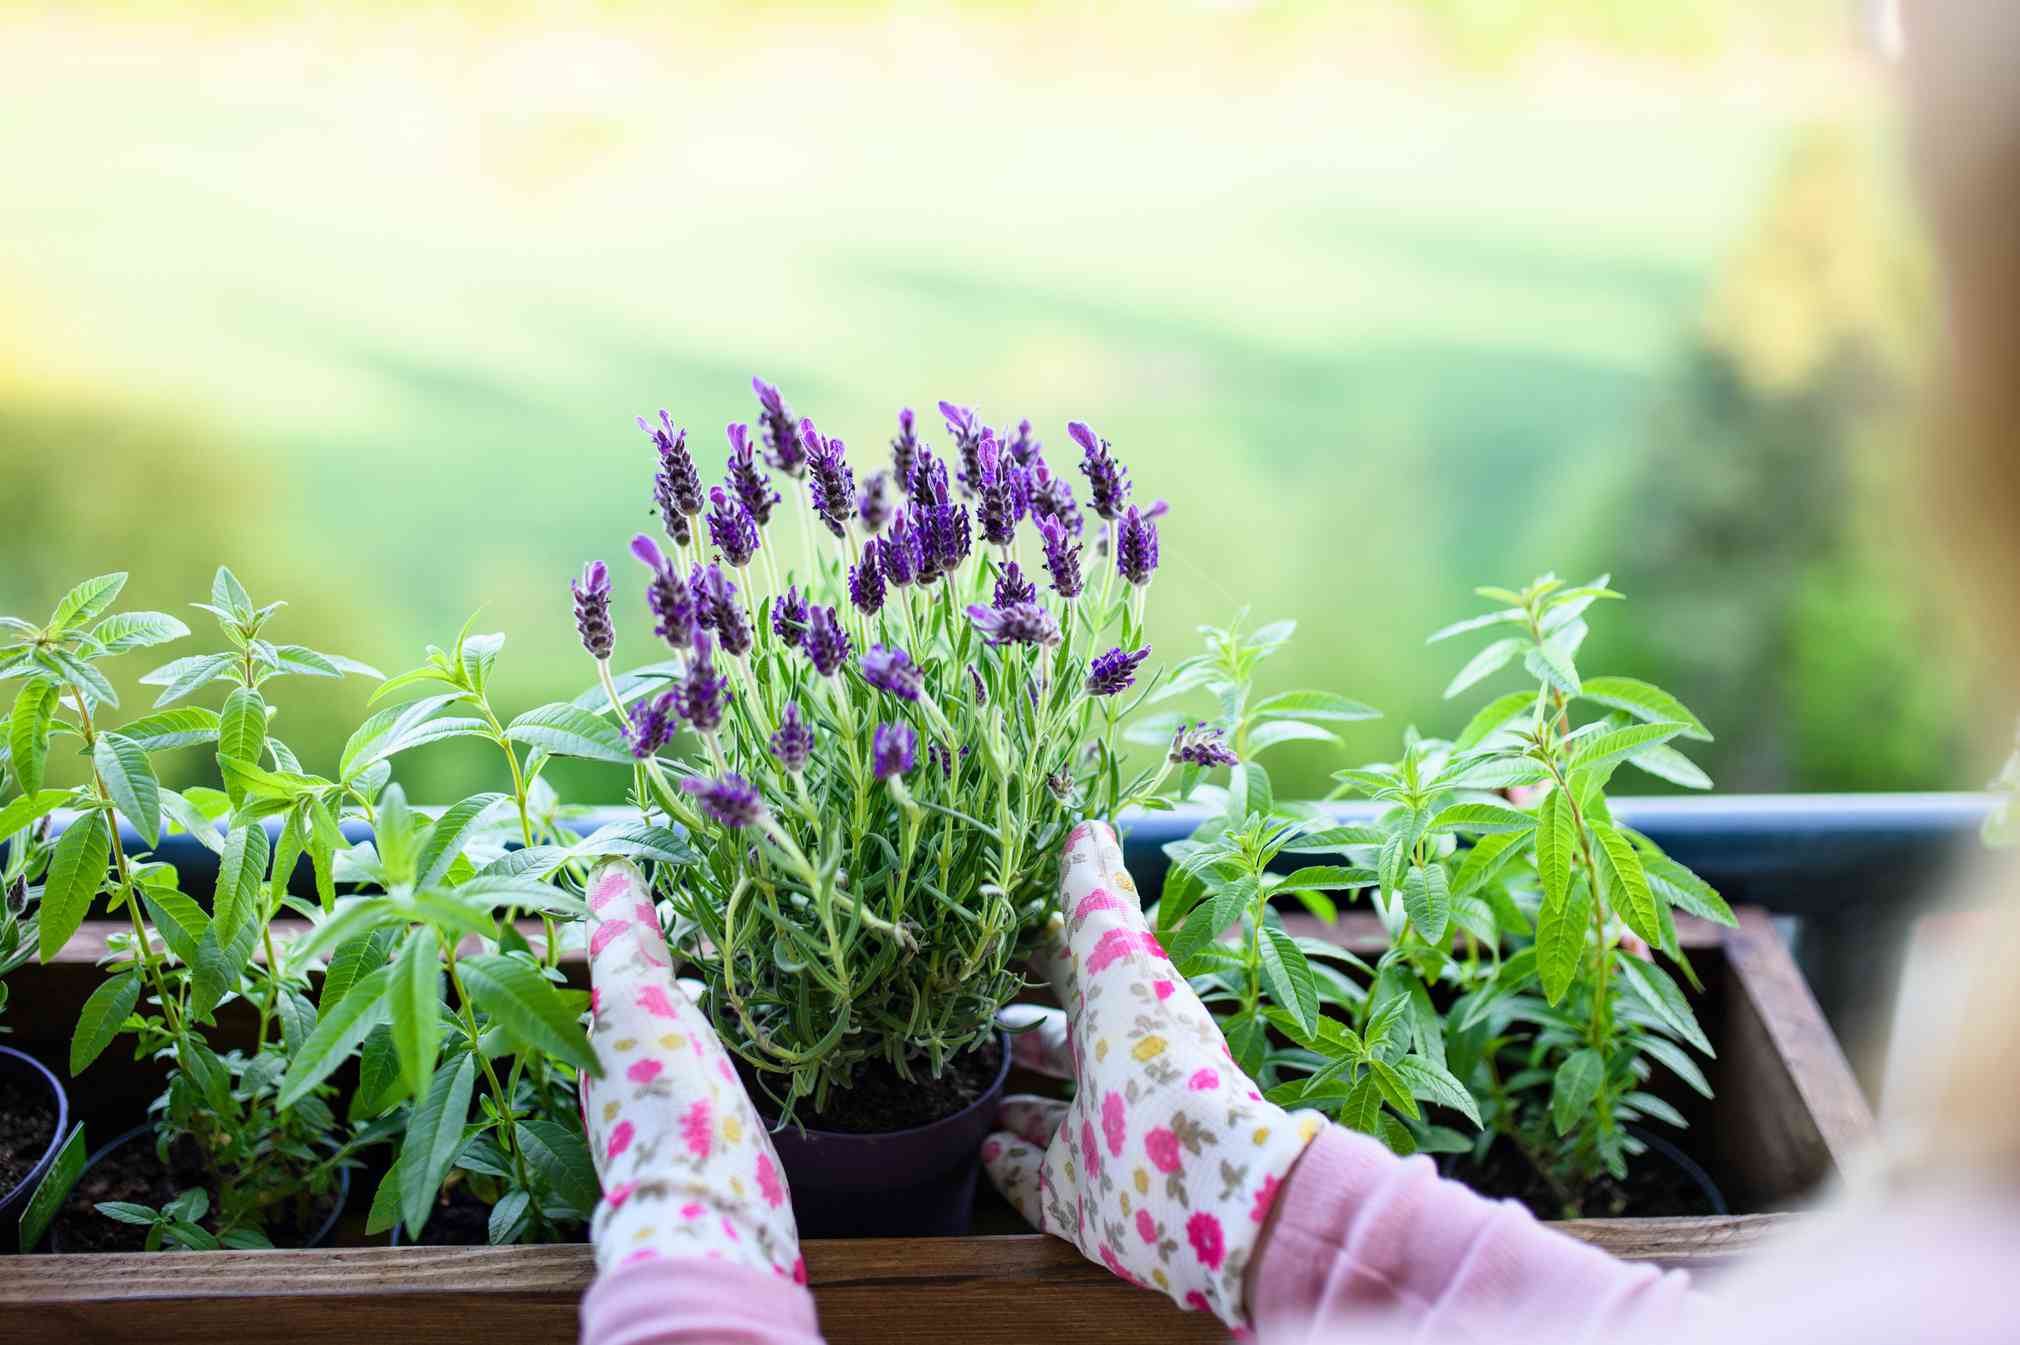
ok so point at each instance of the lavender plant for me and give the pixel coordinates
(889, 740)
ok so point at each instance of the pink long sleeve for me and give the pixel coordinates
(1365, 1238)
(687, 1301)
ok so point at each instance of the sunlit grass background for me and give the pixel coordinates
(1387, 299)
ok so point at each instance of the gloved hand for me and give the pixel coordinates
(687, 1167)
(1164, 1165)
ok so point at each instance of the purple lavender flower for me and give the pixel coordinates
(1107, 479)
(894, 750)
(889, 668)
(704, 693)
(967, 434)
(1114, 672)
(1021, 623)
(781, 431)
(981, 687)
(899, 550)
(873, 503)
(746, 479)
(592, 610)
(832, 484)
(904, 452)
(652, 725)
(944, 540)
(1199, 745)
(789, 617)
(672, 602)
(1052, 497)
(928, 484)
(995, 510)
(697, 588)
(1136, 548)
(866, 579)
(676, 487)
(1062, 558)
(826, 643)
(731, 528)
(732, 800)
(726, 614)
(1024, 448)
(1012, 587)
(793, 744)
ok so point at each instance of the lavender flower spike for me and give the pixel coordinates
(904, 452)
(592, 610)
(676, 487)
(1012, 587)
(889, 668)
(746, 479)
(793, 744)
(704, 693)
(1114, 672)
(873, 503)
(1136, 548)
(996, 510)
(789, 617)
(1198, 745)
(894, 750)
(898, 550)
(671, 600)
(967, 444)
(781, 430)
(826, 643)
(653, 725)
(1021, 623)
(831, 483)
(731, 528)
(726, 614)
(866, 579)
(1107, 479)
(732, 800)
(1062, 558)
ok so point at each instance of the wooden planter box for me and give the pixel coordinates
(1788, 1114)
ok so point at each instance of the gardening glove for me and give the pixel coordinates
(1164, 1165)
(686, 1165)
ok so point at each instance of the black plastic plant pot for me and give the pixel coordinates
(903, 1183)
(1661, 1150)
(146, 1132)
(30, 1074)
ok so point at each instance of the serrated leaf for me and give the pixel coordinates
(1619, 744)
(1495, 715)
(1321, 705)
(354, 959)
(1289, 977)
(1676, 1059)
(228, 593)
(1644, 701)
(1556, 843)
(1431, 1082)
(1561, 924)
(1504, 617)
(100, 1019)
(1482, 819)
(178, 919)
(434, 1134)
(241, 734)
(338, 1034)
(76, 871)
(54, 1188)
(570, 731)
(1625, 884)
(129, 779)
(1551, 662)
(85, 601)
(241, 869)
(1485, 664)
(1362, 1110)
(415, 995)
(1393, 1090)
(510, 991)
(1276, 732)
(1686, 891)
(1487, 857)
(399, 728)
(446, 838)
(561, 1159)
(295, 658)
(31, 808)
(1427, 897)
(185, 675)
(185, 726)
(28, 732)
(1327, 878)
(1575, 1088)
(1655, 989)
(1666, 763)
(127, 631)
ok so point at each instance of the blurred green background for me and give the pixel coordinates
(1388, 299)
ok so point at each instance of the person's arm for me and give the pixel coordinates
(1359, 1236)
(695, 1238)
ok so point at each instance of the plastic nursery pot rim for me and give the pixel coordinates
(990, 1097)
(1688, 1165)
(322, 1233)
(20, 1062)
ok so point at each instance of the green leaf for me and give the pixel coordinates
(221, 957)
(1625, 883)
(1551, 662)
(30, 808)
(241, 869)
(100, 1019)
(1427, 896)
(122, 765)
(385, 1211)
(85, 601)
(241, 734)
(68, 667)
(185, 675)
(1482, 819)
(127, 1212)
(54, 1188)
(1392, 1088)
(295, 658)
(1648, 1104)
(1678, 1061)
(186, 726)
(1556, 843)
(1362, 1110)
(1666, 763)
(508, 1218)
(1680, 888)
(1478, 623)
(1485, 664)
(1644, 702)
(136, 630)
(354, 959)
(495, 892)
(512, 992)
(1327, 878)
(1496, 715)
(1561, 923)
(28, 732)
(1487, 857)
(415, 994)
(446, 840)
(1655, 989)
(1618, 744)
(76, 872)
(178, 919)
(336, 1036)
(1434, 1083)
(353, 917)
(570, 731)
(434, 1133)
(228, 593)
(398, 728)
(561, 1159)
(1322, 705)
(1332, 840)
(1575, 1088)
(1289, 977)
(1274, 732)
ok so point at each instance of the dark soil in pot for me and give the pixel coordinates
(28, 1120)
(127, 1169)
(463, 1219)
(893, 1157)
(1663, 1183)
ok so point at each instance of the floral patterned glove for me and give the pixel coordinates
(686, 1166)
(1164, 1165)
